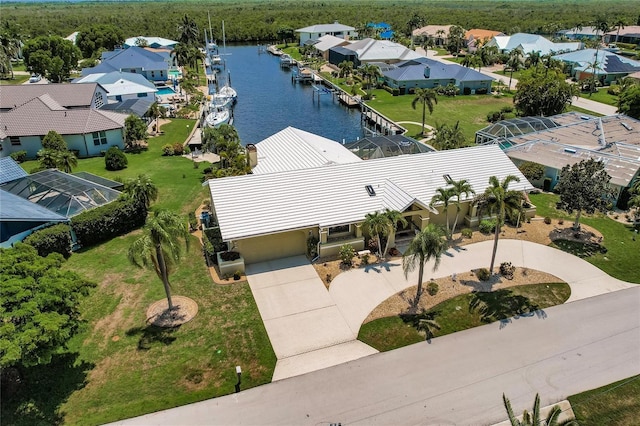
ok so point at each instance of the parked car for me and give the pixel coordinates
(35, 78)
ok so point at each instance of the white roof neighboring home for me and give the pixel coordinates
(120, 83)
(247, 206)
(156, 42)
(328, 41)
(370, 50)
(292, 149)
(325, 28)
(72, 37)
(531, 43)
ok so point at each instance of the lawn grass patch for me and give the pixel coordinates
(463, 312)
(17, 79)
(622, 255)
(614, 404)
(602, 96)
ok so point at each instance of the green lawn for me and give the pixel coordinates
(601, 96)
(117, 366)
(457, 314)
(18, 79)
(617, 404)
(623, 253)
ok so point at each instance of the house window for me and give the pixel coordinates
(161, 73)
(99, 138)
(142, 95)
(339, 230)
(153, 74)
(15, 140)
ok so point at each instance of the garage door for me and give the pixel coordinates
(269, 247)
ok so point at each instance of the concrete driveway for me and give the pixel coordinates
(307, 330)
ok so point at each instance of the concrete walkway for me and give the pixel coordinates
(305, 327)
(357, 292)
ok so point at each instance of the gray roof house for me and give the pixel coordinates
(154, 66)
(609, 66)
(314, 32)
(86, 131)
(87, 95)
(428, 73)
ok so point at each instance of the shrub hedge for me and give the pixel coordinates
(115, 159)
(53, 239)
(18, 156)
(103, 223)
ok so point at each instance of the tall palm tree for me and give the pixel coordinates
(442, 197)
(428, 244)
(428, 98)
(534, 418)
(459, 188)
(377, 224)
(9, 48)
(619, 25)
(370, 72)
(416, 21)
(188, 30)
(346, 68)
(514, 63)
(501, 200)
(394, 217)
(66, 161)
(141, 189)
(159, 246)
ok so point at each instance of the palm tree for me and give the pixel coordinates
(514, 62)
(66, 161)
(188, 31)
(442, 197)
(428, 43)
(460, 187)
(376, 224)
(427, 245)
(9, 48)
(346, 68)
(370, 72)
(497, 197)
(448, 137)
(141, 189)
(394, 217)
(533, 59)
(619, 25)
(428, 98)
(416, 21)
(534, 418)
(159, 246)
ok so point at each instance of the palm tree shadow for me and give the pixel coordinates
(40, 391)
(503, 306)
(151, 335)
(422, 321)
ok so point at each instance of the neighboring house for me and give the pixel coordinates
(314, 32)
(327, 42)
(154, 42)
(292, 149)
(635, 76)
(629, 34)
(79, 96)
(152, 65)
(126, 92)
(438, 33)
(478, 37)
(428, 73)
(86, 131)
(369, 50)
(273, 215)
(588, 33)
(613, 139)
(609, 67)
(528, 43)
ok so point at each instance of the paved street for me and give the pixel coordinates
(457, 379)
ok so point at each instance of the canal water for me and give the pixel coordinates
(268, 101)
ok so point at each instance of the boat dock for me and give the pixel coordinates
(274, 50)
(378, 122)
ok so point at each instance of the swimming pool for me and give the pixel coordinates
(165, 90)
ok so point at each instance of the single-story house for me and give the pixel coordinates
(609, 66)
(438, 33)
(292, 149)
(86, 95)
(154, 42)
(531, 43)
(613, 139)
(629, 34)
(477, 36)
(275, 215)
(327, 42)
(428, 73)
(369, 50)
(584, 33)
(154, 66)
(86, 131)
(122, 85)
(314, 32)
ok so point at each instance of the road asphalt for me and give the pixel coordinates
(456, 379)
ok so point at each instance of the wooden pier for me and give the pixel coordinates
(379, 122)
(348, 100)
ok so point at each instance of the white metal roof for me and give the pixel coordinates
(325, 28)
(328, 41)
(370, 50)
(292, 149)
(253, 205)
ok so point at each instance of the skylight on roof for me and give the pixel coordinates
(370, 190)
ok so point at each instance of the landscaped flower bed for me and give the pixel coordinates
(230, 262)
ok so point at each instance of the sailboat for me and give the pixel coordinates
(218, 116)
(226, 95)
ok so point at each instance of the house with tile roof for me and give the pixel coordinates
(154, 66)
(438, 33)
(274, 215)
(528, 43)
(629, 34)
(86, 95)
(609, 66)
(428, 73)
(86, 131)
(477, 36)
(336, 29)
